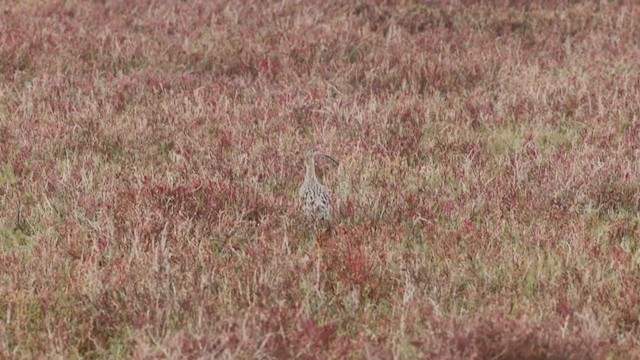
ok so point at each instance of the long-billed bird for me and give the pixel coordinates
(316, 200)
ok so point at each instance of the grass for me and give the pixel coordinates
(487, 199)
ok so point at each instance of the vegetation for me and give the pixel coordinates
(487, 198)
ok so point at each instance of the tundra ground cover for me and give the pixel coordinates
(488, 192)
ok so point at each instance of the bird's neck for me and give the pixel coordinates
(311, 171)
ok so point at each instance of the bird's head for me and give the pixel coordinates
(310, 155)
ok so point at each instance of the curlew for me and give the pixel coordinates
(316, 201)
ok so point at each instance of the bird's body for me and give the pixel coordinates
(316, 200)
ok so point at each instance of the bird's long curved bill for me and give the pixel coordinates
(328, 157)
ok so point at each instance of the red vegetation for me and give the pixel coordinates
(487, 197)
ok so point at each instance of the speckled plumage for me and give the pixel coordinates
(316, 200)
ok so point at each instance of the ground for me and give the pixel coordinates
(487, 199)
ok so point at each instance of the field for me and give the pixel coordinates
(487, 201)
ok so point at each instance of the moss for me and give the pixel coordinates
(7, 177)
(15, 239)
(505, 140)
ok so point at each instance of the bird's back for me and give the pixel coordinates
(316, 202)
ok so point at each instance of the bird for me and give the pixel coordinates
(316, 200)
